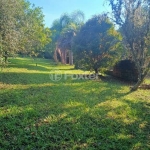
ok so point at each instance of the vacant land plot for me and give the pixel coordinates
(37, 113)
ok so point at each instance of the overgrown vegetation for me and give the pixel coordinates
(37, 113)
(133, 18)
(126, 70)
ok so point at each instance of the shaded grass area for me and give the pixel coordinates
(38, 113)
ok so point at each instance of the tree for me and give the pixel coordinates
(34, 36)
(95, 43)
(133, 18)
(21, 28)
(64, 30)
(8, 26)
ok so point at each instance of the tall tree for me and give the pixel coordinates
(34, 36)
(64, 30)
(95, 43)
(21, 28)
(133, 18)
(9, 33)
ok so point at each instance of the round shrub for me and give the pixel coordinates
(126, 70)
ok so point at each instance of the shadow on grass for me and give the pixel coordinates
(30, 64)
(24, 78)
(33, 67)
(73, 115)
(50, 77)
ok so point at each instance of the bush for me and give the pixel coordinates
(126, 70)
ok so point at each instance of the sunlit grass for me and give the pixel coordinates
(38, 113)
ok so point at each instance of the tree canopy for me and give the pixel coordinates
(21, 28)
(94, 44)
(133, 18)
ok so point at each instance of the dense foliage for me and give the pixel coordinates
(133, 18)
(95, 43)
(126, 70)
(21, 28)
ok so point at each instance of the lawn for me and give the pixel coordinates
(37, 113)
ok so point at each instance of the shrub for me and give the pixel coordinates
(126, 70)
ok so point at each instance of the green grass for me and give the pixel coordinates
(39, 114)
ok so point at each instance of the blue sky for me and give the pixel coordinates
(53, 9)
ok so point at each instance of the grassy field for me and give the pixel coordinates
(37, 113)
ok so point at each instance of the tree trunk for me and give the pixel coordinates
(96, 73)
(96, 70)
(5, 58)
(63, 57)
(140, 79)
(136, 86)
(70, 57)
(55, 56)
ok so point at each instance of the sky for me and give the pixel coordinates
(53, 9)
